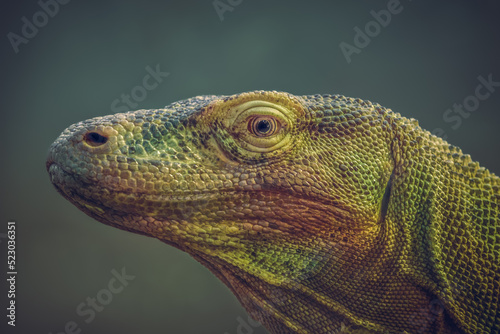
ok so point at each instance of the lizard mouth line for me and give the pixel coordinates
(64, 179)
(70, 185)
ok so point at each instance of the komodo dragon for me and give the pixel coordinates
(321, 213)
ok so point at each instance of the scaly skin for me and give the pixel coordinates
(323, 214)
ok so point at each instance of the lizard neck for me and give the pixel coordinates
(440, 213)
(325, 292)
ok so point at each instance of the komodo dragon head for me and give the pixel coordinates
(282, 197)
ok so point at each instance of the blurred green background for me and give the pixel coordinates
(427, 58)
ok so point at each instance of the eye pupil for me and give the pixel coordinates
(263, 126)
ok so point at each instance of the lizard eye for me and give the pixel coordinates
(260, 126)
(263, 126)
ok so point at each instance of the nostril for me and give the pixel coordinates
(95, 139)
